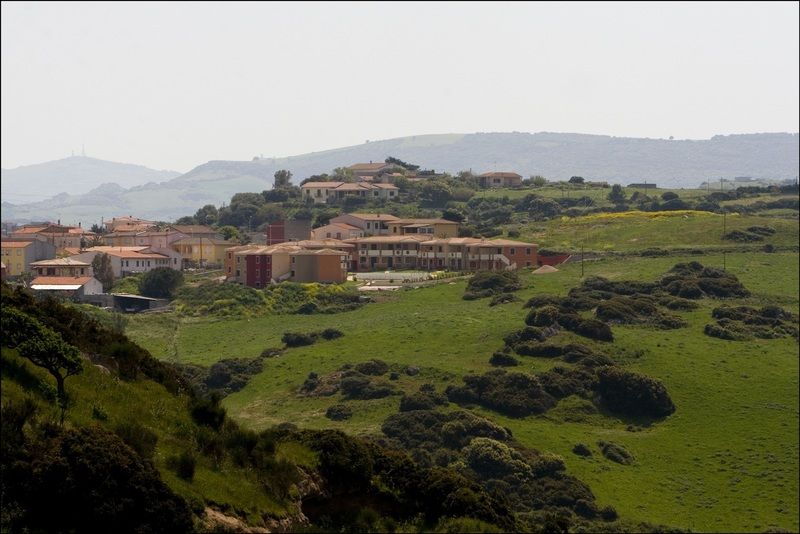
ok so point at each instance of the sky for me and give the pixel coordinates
(173, 85)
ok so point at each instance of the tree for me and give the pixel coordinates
(186, 220)
(207, 214)
(230, 233)
(101, 265)
(394, 161)
(44, 347)
(453, 214)
(97, 229)
(283, 178)
(576, 180)
(342, 174)
(617, 194)
(160, 283)
(538, 181)
(435, 193)
(669, 195)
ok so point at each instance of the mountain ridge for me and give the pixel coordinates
(556, 156)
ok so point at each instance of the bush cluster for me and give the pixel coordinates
(632, 394)
(487, 284)
(300, 339)
(741, 323)
(513, 394)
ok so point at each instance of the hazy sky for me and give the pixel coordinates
(172, 86)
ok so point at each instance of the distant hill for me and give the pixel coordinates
(556, 156)
(75, 175)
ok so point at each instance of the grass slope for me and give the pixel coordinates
(726, 460)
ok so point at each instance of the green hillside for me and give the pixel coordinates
(726, 460)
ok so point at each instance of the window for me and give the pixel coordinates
(512, 251)
(258, 273)
(499, 250)
(440, 249)
(528, 251)
(137, 263)
(237, 272)
(258, 259)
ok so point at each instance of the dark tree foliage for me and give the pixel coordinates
(89, 480)
(161, 283)
(101, 265)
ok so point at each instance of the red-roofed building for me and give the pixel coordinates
(500, 179)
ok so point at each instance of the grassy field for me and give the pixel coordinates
(635, 230)
(597, 194)
(726, 460)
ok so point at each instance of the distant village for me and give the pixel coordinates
(55, 258)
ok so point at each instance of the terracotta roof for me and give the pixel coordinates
(323, 185)
(15, 244)
(60, 262)
(500, 175)
(385, 186)
(194, 229)
(343, 226)
(505, 243)
(136, 253)
(408, 238)
(319, 252)
(61, 280)
(30, 229)
(369, 166)
(72, 251)
(373, 216)
(354, 186)
(321, 243)
(200, 241)
(422, 222)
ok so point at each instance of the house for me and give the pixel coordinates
(335, 192)
(261, 266)
(429, 253)
(370, 170)
(323, 265)
(68, 286)
(201, 250)
(128, 224)
(500, 179)
(436, 227)
(63, 267)
(232, 261)
(18, 254)
(133, 260)
(386, 252)
(369, 223)
(283, 231)
(337, 231)
(57, 235)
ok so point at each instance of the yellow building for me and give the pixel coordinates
(203, 250)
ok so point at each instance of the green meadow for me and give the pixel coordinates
(726, 460)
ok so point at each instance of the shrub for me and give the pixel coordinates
(582, 450)
(615, 453)
(296, 339)
(207, 411)
(183, 465)
(504, 282)
(424, 399)
(331, 333)
(513, 394)
(742, 237)
(632, 394)
(502, 359)
(373, 367)
(594, 329)
(762, 230)
(339, 412)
